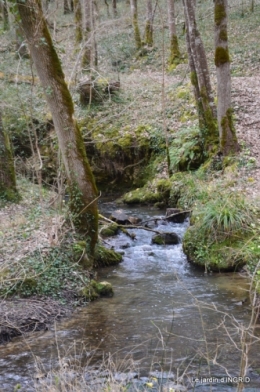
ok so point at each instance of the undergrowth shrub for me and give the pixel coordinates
(187, 150)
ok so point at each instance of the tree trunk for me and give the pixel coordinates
(227, 134)
(7, 173)
(78, 20)
(67, 7)
(114, 8)
(194, 82)
(83, 192)
(89, 58)
(137, 36)
(149, 24)
(5, 15)
(200, 76)
(174, 45)
(21, 47)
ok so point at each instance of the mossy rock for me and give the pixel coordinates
(226, 255)
(142, 196)
(164, 188)
(103, 289)
(165, 239)
(157, 191)
(88, 292)
(105, 257)
(109, 230)
(158, 239)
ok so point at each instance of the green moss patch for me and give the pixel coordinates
(105, 257)
(220, 13)
(157, 191)
(109, 230)
(221, 56)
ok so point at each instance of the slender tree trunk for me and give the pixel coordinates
(114, 8)
(81, 182)
(174, 45)
(194, 82)
(89, 58)
(227, 133)
(137, 36)
(5, 15)
(149, 24)
(7, 172)
(21, 47)
(78, 20)
(66, 7)
(200, 76)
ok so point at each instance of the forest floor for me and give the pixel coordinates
(246, 101)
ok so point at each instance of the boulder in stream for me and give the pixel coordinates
(122, 219)
(176, 215)
(104, 288)
(109, 230)
(166, 239)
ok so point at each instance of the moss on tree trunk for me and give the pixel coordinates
(79, 176)
(78, 20)
(175, 55)
(8, 189)
(149, 24)
(200, 79)
(137, 35)
(227, 133)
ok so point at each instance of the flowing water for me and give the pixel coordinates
(165, 313)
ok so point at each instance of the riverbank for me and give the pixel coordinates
(43, 274)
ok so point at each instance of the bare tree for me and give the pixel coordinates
(68, 6)
(7, 172)
(137, 36)
(200, 77)
(89, 57)
(227, 133)
(114, 8)
(83, 192)
(174, 45)
(149, 24)
(78, 20)
(5, 15)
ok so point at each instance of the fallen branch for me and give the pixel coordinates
(165, 218)
(123, 227)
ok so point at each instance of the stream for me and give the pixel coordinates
(165, 315)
